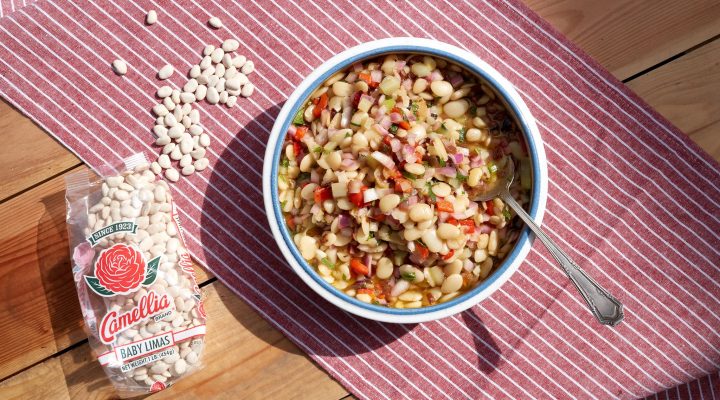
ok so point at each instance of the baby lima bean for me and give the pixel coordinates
(139, 198)
(218, 79)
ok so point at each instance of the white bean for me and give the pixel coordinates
(166, 71)
(215, 22)
(120, 67)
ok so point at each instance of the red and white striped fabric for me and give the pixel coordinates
(631, 198)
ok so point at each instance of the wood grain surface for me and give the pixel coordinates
(35, 155)
(45, 353)
(630, 36)
(687, 92)
(244, 358)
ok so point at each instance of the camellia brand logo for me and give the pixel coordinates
(121, 269)
(113, 323)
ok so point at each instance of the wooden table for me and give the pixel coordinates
(667, 51)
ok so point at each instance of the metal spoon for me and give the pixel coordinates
(606, 308)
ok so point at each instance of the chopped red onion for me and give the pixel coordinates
(383, 159)
(368, 98)
(395, 117)
(456, 80)
(376, 75)
(434, 76)
(370, 195)
(485, 228)
(344, 221)
(395, 144)
(351, 77)
(357, 67)
(379, 129)
(349, 165)
(476, 161)
(292, 129)
(464, 151)
(385, 122)
(447, 171)
(314, 176)
(407, 84)
(399, 65)
(468, 265)
(458, 158)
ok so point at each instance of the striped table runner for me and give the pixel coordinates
(631, 198)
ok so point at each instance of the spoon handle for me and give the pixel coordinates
(606, 308)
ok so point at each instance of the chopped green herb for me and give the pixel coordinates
(407, 196)
(492, 168)
(349, 134)
(282, 205)
(345, 277)
(473, 110)
(318, 149)
(389, 104)
(443, 127)
(414, 107)
(303, 176)
(354, 124)
(371, 235)
(409, 175)
(430, 191)
(461, 132)
(299, 117)
(460, 177)
(506, 214)
(376, 302)
(441, 161)
(327, 263)
(408, 276)
(393, 129)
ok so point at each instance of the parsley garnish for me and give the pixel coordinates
(408, 175)
(327, 263)
(371, 235)
(492, 168)
(441, 162)
(506, 214)
(443, 126)
(282, 205)
(414, 107)
(345, 277)
(285, 162)
(303, 176)
(408, 276)
(393, 129)
(462, 134)
(318, 150)
(347, 135)
(473, 110)
(376, 302)
(430, 191)
(299, 117)
(460, 177)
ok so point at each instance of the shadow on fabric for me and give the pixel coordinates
(242, 252)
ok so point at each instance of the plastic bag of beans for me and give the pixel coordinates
(142, 307)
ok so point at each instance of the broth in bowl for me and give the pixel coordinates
(374, 178)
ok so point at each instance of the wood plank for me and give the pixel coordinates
(39, 308)
(245, 358)
(35, 156)
(687, 92)
(629, 36)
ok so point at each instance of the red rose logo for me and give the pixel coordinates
(157, 386)
(120, 269)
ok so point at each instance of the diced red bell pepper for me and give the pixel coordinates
(365, 77)
(356, 99)
(379, 217)
(387, 140)
(403, 185)
(366, 291)
(469, 225)
(358, 267)
(444, 205)
(452, 221)
(297, 148)
(300, 132)
(404, 124)
(357, 198)
(290, 220)
(490, 207)
(449, 255)
(322, 103)
(421, 252)
(322, 194)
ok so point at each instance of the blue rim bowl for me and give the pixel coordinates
(373, 49)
